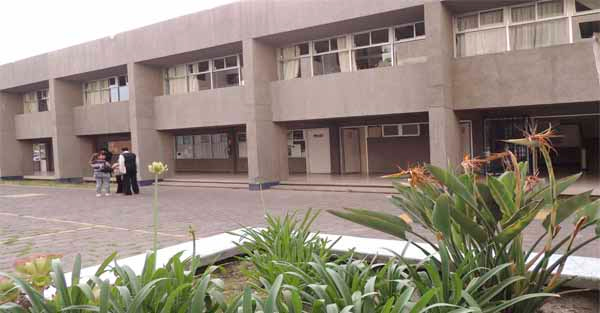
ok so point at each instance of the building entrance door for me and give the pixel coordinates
(319, 155)
(351, 149)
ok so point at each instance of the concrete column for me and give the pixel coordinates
(67, 148)
(444, 131)
(14, 155)
(145, 83)
(266, 141)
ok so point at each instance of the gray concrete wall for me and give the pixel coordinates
(367, 92)
(386, 154)
(14, 152)
(217, 107)
(33, 125)
(558, 74)
(100, 119)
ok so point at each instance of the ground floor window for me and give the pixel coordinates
(207, 146)
(296, 144)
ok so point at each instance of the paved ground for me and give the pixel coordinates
(70, 221)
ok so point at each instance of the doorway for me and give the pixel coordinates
(43, 164)
(351, 150)
(319, 151)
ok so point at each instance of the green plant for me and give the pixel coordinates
(285, 239)
(156, 168)
(8, 291)
(89, 296)
(485, 217)
(35, 269)
(172, 288)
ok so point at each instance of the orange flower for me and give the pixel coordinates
(416, 175)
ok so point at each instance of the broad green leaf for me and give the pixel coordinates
(453, 183)
(423, 301)
(375, 222)
(568, 206)
(469, 226)
(503, 197)
(441, 215)
(516, 228)
(509, 303)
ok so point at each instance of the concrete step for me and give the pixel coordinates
(204, 184)
(338, 184)
(354, 189)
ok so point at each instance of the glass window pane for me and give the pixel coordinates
(410, 129)
(380, 36)
(203, 66)
(112, 81)
(191, 68)
(550, 9)
(231, 61)
(219, 64)
(304, 67)
(492, 17)
(333, 44)
(372, 57)
(467, 22)
(226, 78)
(327, 64)
(43, 105)
(522, 14)
(200, 82)
(541, 34)
(303, 49)
(124, 93)
(390, 130)
(122, 81)
(361, 40)
(322, 46)
(404, 32)
(420, 29)
(481, 42)
(340, 43)
(114, 94)
(587, 5)
(587, 29)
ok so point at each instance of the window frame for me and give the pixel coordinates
(400, 132)
(582, 13)
(87, 90)
(349, 37)
(568, 13)
(211, 70)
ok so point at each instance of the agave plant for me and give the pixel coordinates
(485, 217)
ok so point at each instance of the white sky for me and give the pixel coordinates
(32, 27)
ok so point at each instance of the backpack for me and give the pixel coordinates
(130, 165)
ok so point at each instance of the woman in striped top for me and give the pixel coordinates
(102, 170)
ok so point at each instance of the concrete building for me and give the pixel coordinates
(274, 88)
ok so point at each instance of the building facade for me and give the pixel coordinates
(272, 88)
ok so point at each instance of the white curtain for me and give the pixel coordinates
(523, 14)
(468, 22)
(550, 9)
(343, 57)
(290, 67)
(541, 34)
(491, 17)
(481, 42)
(177, 80)
(30, 102)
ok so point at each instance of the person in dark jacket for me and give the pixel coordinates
(128, 166)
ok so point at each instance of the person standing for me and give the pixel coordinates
(102, 170)
(118, 176)
(128, 166)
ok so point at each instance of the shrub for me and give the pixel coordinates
(484, 217)
(285, 239)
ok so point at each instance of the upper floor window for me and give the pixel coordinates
(112, 89)
(203, 75)
(346, 53)
(524, 26)
(35, 101)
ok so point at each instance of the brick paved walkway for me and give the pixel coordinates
(71, 221)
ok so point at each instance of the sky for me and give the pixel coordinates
(33, 27)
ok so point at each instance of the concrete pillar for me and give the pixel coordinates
(444, 131)
(266, 141)
(67, 151)
(444, 137)
(14, 155)
(145, 83)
